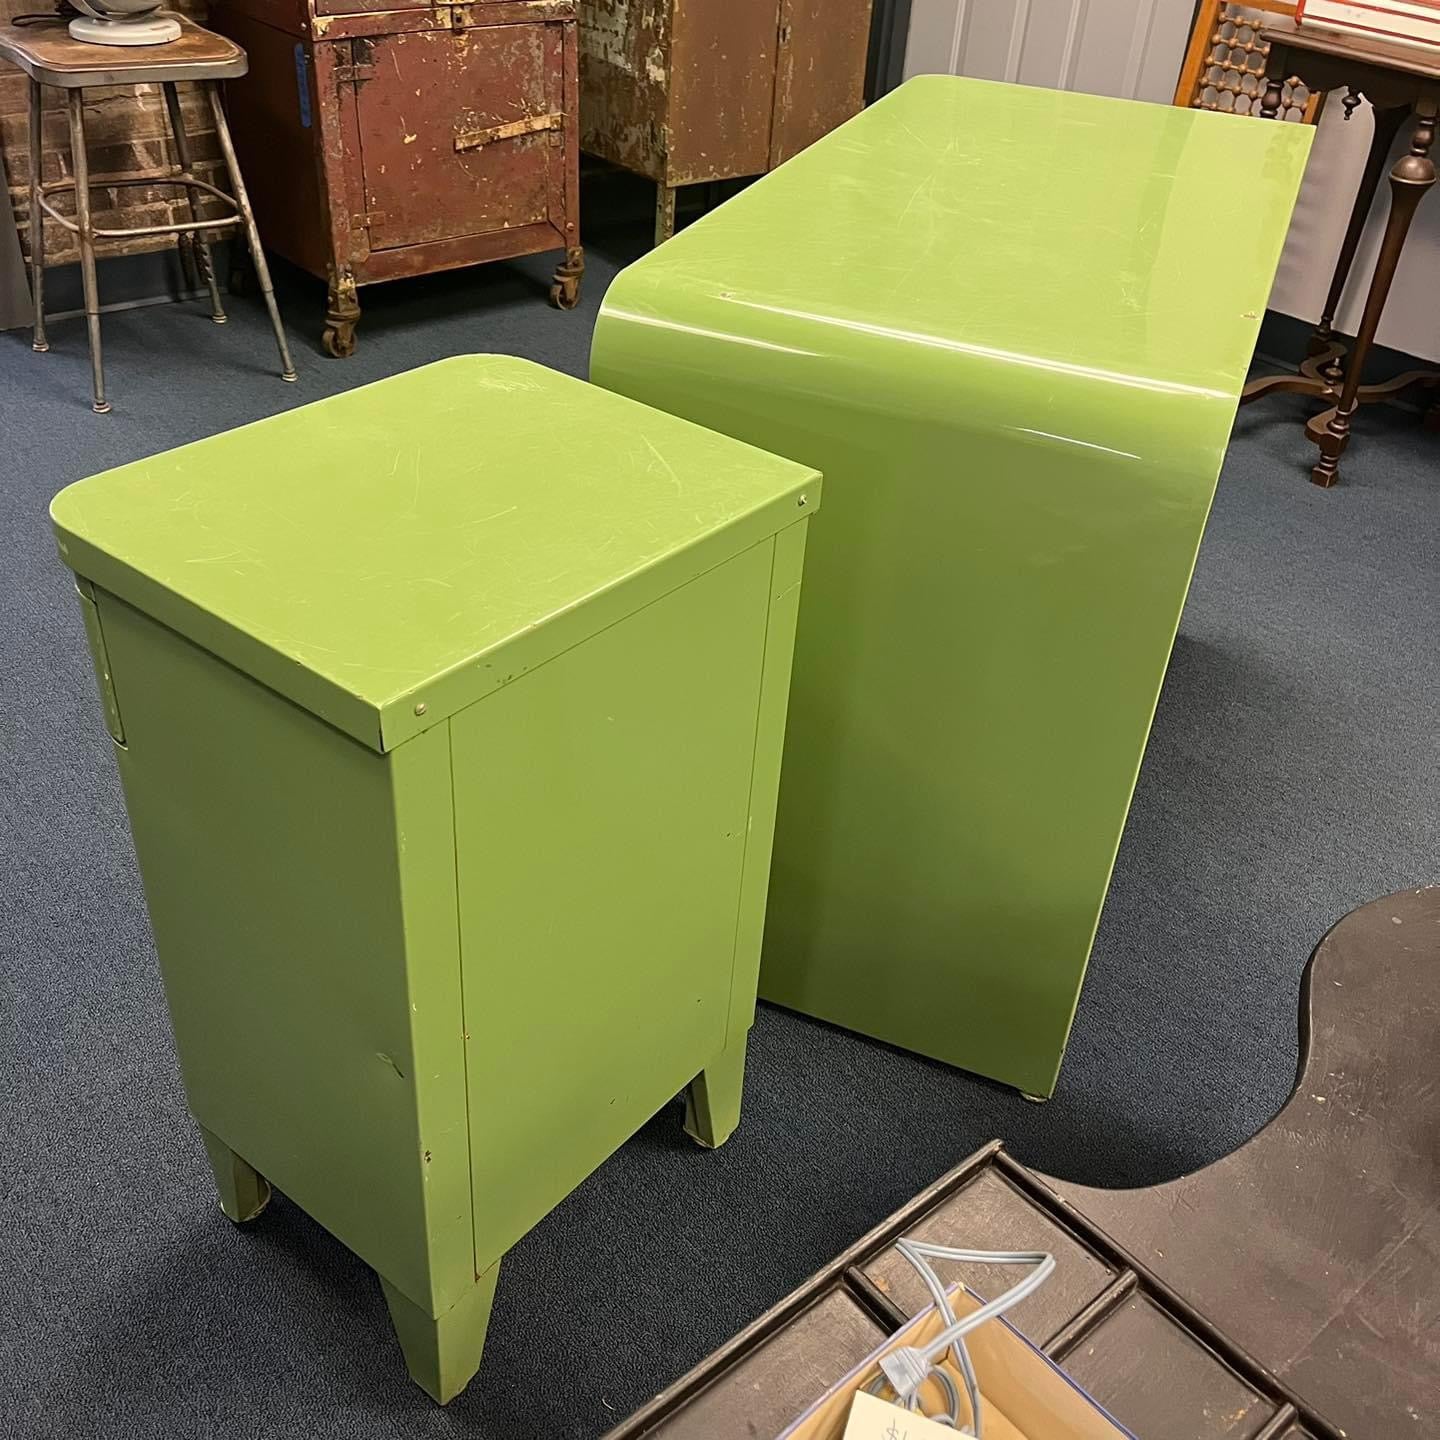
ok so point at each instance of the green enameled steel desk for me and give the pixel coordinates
(1010, 325)
(449, 715)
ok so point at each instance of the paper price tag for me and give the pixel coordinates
(872, 1418)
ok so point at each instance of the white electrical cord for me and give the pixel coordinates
(909, 1367)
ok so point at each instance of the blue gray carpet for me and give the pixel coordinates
(1291, 776)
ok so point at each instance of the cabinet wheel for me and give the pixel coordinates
(565, 294)
(338, 341)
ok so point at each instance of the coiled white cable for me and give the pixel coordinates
(907, 1368)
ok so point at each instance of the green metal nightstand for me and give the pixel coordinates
(1011, 327)
(449, 715)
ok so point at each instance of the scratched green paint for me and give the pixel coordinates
(425, 976)
(420, 541)
(1010, 325)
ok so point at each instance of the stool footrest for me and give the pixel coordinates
(118, 182)
(183, 227)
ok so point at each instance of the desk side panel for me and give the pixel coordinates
(992, 589)
(302, 892)
(601, 806)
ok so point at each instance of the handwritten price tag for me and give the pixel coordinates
(872, 1418)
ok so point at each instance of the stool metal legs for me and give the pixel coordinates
(252, 235)
(37, 219)
(196, 230)
(80, 162)
(204, 261)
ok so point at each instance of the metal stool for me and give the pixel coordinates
(47, 54)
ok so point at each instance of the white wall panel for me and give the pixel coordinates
(1107, 47)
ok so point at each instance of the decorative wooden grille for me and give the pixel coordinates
(1224, 65)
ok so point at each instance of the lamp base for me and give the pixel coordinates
(150, 30)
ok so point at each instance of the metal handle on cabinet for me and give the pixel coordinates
(530, 125)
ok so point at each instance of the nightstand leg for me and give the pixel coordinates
(243, 1191)
(443, 1352)
(712, 1099)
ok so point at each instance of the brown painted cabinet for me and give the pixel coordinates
(384, 138)
(684, 91)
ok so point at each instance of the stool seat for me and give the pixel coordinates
(49, 55)
(46, 52)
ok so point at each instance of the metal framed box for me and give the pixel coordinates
(387, 140)
(449, 715)
(975, 307)
(715, 89)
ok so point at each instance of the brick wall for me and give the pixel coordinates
(128, 136)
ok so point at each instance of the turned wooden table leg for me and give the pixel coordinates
(1387, 124)
(1410, 177)
(1274, 94)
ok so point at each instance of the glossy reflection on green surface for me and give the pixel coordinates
(1010, 326)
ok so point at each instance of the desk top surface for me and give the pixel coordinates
(1055, 237)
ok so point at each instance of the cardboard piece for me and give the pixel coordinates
(1023, 1394)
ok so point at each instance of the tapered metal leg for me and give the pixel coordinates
(199, 245)
(37, 218)
(80, 164)
(442, 1352)
(712, 1099)
(252, 235)
(243, 1191)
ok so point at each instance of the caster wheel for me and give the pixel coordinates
(338, 341)
(565, 294)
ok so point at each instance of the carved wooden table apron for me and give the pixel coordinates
(1284, 1292)
(1398, 81)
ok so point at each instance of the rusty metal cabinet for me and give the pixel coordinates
(684, 91)
(386, 138)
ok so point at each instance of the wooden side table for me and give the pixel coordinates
(1397, 81)
(47, 54)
